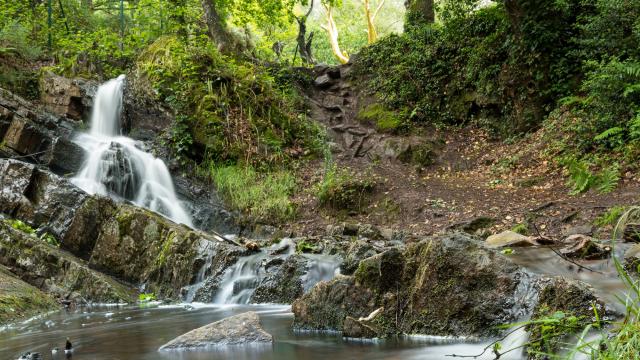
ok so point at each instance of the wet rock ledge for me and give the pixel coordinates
(134, 247)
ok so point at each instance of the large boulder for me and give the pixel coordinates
(54, 271)
(242, 329)
(142, 247)
(446, 285)
(38, 196)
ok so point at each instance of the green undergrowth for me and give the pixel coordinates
(227, 110)
(263, 196)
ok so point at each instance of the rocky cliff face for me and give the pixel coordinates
(134, 245)
(448, 285)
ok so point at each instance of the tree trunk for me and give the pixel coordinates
(217, 28)
(304, 42)
(332, 32)
(419, 12)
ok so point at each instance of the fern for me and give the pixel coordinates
(611, 132)
(580, 178)
(632, 69)
(608, 179)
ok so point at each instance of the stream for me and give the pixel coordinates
(136, 332)
(119, 167)
(127, 333)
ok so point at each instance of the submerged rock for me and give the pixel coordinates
(240, 329)
(447, 285)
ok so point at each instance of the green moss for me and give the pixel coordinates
(384, 120)
(521, 228)
(124, 220)
(306, 247)
(166, 248)
(18, 299)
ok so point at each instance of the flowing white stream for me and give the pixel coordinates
(240, 280)
(117, 167)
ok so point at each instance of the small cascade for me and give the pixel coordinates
(201, 275)
(117, 166)
(241, 280)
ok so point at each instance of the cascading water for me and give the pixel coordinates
(241, 280)
(117, 167)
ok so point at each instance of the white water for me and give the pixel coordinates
(240, 281)
(117, 167)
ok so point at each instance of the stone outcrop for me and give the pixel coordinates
(447, 285)
(19, 299)
(71, 98)
(142, 247)
(41, 137)
(242, 329)
(56, 272)
(130, 243)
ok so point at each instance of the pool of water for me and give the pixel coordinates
(127, 333)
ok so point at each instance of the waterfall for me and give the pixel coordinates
(117, 166)
(240, 281)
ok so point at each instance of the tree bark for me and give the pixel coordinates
(419, 12)
(332, 32)
(304, 42)
(217, 28)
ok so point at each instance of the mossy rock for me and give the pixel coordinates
(383, 119)
(569, 306)
(381, 272)
(19, 299)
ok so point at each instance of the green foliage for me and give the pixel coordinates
(610, 217)
(229, 110)
(306, 247)
(581, 179)
(436, 73)
(521, 228)
(146, 297)
(50, 239)
(548, 330)
(19, 225)
(263, 196)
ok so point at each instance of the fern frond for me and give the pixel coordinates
(607, 180)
